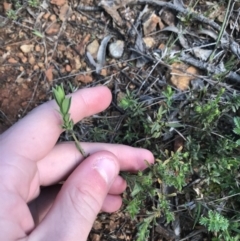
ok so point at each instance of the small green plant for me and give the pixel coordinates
(215, 222)
(172, 172)
(236, 130)
(33, 3)
(38, 34)
(208, 152)
(209, 112)
(64, 104)
(219, 225)
(12, 14)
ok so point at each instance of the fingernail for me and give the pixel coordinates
(107, 169)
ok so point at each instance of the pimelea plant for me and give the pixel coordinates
(64, 104)
(209, 152)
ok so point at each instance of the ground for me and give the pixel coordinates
(139, 46)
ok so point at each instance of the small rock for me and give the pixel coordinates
(35, 67)
(24, 59)
(78, 64)
(53, 18)
(40, 65)
(162, 46)
(21, 69)
(58, 2)
(68, 68)
(49, 74)
(31, 59)
(149, 41)
(37, 48)
(73, 18)
(46, 15)
(97, 225)
(103, 72)
(12, 61)
(19, 80)
(168, 17)
(53, 29)
(93, 47)
(116, 49)
(84, 78)
(27, 48)
(96, 237)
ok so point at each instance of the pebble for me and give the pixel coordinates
(37, 48)
(46, 15)
(84, 78)
(149, 41)
(116, 49)
(53, 29)
(26, 48)
(12, 61)
(68, 68)
(93, 47)
(31, 59)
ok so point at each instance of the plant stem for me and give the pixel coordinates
(77, 143)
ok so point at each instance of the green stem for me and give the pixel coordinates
(221, 31)
(77, 143)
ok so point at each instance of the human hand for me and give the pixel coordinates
(30, 158)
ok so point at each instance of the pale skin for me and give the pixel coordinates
(30, 158)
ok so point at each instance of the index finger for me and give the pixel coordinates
(36, 134)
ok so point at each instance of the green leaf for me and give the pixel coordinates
(37, 33)
(65, 105)
(59, 95)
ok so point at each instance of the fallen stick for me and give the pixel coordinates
(230, 43)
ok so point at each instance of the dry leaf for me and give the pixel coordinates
(7, 6)
(58, 2)
(181, 75)
(65, 12)
(84, 78)
(111, 7)
(150, 25)
(53, 29)
(149, 41)
(168, 17)
(162, 46)
(81, 46)
(217, 11)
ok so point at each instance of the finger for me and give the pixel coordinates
(36, 134)
(80, 200)
(118, 187)
(42, 204)
(112, 203)
(64, 157)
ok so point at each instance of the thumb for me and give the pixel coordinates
(80, 200)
